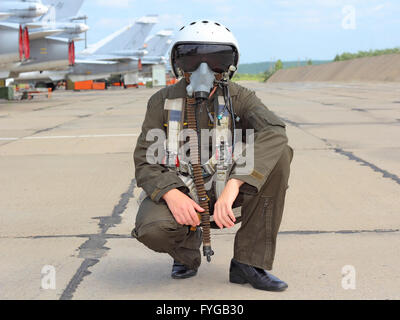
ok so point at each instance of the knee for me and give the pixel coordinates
(158, 236)
(282, 167)
(279, 176)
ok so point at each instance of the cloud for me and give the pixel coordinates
(378, 8)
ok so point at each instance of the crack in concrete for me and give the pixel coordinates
(314, 232)
(322, 124)
(77, 278)
(94, 248)
(311, 232)
(45, 130)
(386, 174)
(53, 106)
(351, 156)
(84, 235)
(78, 117)
(359, 110)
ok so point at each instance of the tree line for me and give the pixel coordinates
(360, 54)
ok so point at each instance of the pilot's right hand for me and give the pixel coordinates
(183, 208)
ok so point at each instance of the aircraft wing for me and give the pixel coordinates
(78, 61)
(77, 39)
(57, 76)
(34, 25)
(4, 15)
(120, 59)
(44, 33)
(9, 25)
(71, 37)
(40, 76)
(154, 60)
(114, 58)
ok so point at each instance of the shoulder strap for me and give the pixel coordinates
(174, 127)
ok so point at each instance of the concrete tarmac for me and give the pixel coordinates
(68, 199)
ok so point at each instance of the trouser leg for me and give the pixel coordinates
(255, 241)
(158, 230)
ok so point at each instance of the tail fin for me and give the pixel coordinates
(127, 39)
(61, 9)
(158, 44)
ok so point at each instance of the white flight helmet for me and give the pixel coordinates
(204, 41)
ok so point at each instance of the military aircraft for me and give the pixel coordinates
(20, 11)
(49, 45)
(59, 20)
(122, 44)
(14, 35)
(54, 52)
(120, 53)
(122, 59)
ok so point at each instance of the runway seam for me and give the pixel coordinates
(81, 136)
(289, 232)
(32, 136)
(317, 232)
(94, 248)
(351, 156)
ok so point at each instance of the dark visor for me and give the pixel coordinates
(219, 57)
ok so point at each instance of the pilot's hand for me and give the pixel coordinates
(183, 208)
(223, 214)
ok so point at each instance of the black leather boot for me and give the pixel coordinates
(260, 279)
(180, 271)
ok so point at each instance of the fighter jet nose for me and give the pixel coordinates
(83, 27)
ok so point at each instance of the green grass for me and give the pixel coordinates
(248, 77)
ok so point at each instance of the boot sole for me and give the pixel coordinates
(183, 277)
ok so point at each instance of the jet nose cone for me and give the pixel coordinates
(83, 27)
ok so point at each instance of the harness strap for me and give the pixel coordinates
(223, 140)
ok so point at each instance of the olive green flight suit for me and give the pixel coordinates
(261, 197)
